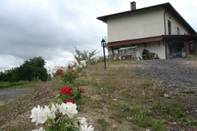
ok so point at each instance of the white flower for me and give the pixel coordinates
(69, 108)
(56, 67)
(86, 128)
(40, 129)
(53, 108)
(80, 66)
(75, 61)
(83, 63)
(82, 120)
(50, 112)
(38, 115)
(57, 106)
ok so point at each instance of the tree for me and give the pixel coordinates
(34, 69)
(30, 70)
(86, 55)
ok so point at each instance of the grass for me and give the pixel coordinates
(189, 91)
(18, 84)
(117, 99)
(103, 123)
(192, 57)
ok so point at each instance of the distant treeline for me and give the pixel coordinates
(30, 70)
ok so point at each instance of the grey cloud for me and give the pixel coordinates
(41, 28)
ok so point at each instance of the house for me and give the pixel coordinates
(159, 29)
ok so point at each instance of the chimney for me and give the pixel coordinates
(133, 5)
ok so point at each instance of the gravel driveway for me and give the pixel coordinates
(179, 73)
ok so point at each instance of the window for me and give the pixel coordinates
(115, 51)
(169, 27)
(178, 31)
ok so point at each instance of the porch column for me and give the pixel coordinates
(187, 47)
(110, 53)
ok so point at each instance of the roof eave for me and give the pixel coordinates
(167, 5)
(152, 39)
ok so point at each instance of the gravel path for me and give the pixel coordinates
(179, 73)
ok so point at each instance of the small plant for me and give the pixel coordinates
(191, 121)
(86, 55)
(139, 114)
(69, 75)
(149, 55)
(176, 113)
(158, 126)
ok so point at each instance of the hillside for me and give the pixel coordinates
(117, 99)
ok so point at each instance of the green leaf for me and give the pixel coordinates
(59, 100)
(57, 95)
(50, 104)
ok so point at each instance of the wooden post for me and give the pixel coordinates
(187, 47)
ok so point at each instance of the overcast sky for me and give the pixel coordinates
(53, 28)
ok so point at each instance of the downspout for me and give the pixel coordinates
(195, 47)
(166, 52)
(164, 42)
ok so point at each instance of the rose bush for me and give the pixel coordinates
(59, 72)
(59, 117)
(69, 75)
(69, 94)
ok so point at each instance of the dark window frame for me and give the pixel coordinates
(169, 28)
(178, 31)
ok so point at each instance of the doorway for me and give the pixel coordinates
(176, 50)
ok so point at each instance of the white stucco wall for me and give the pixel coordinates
(141, 24)
(174, 24)
(155, 48)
